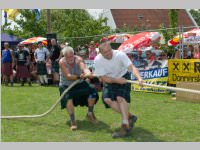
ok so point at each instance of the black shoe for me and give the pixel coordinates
(132, 120)
(123, 132)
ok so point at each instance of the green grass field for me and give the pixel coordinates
(159, 118)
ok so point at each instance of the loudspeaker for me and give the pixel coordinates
(50, 36)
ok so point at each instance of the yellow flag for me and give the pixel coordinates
(12, 13)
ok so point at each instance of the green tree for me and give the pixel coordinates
(27, 26)
(70, 24)
(64, 22)
(170, 33)
(196, 15)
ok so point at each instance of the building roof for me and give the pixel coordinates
(148, 18)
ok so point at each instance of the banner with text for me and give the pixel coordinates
(157, 76)
(183, 70)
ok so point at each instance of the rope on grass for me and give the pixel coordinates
(77, 81)
(167, 87)
(48, 111)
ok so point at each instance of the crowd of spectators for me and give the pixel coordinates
(42, 61)
(189, 52)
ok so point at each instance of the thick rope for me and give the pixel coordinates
(167, 87)
(77, 81)
(48, 111)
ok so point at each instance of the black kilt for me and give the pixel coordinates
(55, 67)
(113, 90)
(41, 68)
(79, 94)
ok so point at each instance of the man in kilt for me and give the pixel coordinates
(55, 55)
(22, 60)
(41, 57)
(7, 64)
(112, 67)
(72, 68)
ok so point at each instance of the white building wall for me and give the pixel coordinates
(110, 22)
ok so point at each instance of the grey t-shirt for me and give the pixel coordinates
(75, 70)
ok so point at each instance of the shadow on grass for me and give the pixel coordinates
(88, 126)
(139, 134)
(82, 125)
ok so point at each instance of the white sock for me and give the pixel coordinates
(41, 79)
(45, 78)
(125, 122)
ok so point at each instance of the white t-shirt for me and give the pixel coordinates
(41, 53)
(115, 67)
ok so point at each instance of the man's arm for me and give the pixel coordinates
(135, 71)
(66, 72)
(84, 68)
(86, 72)
(110, 80)
(61, 54)
(13, 58)
(35, 56)
(28, 58)
(47, 53)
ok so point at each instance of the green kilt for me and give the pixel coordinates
(55, 67)
(79, 94)
(41, 68)
(113, 90)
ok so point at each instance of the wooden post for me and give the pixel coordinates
(48, 21)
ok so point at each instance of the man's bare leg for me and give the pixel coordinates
(70, 109)
(90, 114)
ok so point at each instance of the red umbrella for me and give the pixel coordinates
(117, 38)
(139, 40)
(190, 37)
(34, 40)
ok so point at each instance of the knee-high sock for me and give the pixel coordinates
(45, 78)
(41, 79)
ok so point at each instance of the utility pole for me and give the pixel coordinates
(48, 21)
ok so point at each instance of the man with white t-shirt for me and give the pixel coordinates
(112, 67)
(41, 57)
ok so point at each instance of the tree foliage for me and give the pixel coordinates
(66, 23)
(170, 33)
(196, 15)
(27, 26)
(76, 23)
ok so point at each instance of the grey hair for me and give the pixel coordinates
(67, 49)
